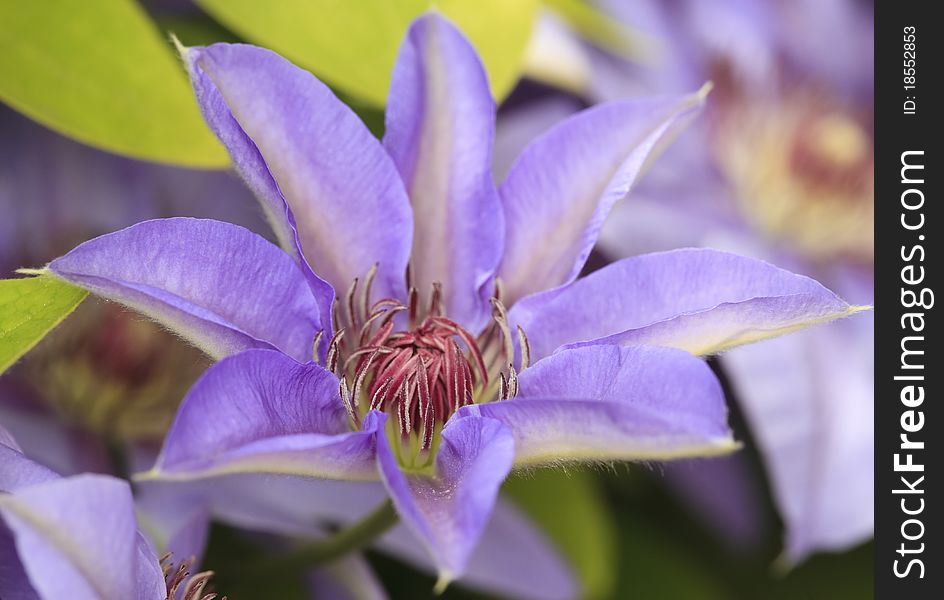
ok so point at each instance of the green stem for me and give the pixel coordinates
(325, 550)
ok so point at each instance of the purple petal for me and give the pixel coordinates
(221, 287)
(512, 559)
(815, 434)
(309, 159)
(518, 126)
(17, 471)
(77, 538)
(613, 403)
(440, 126)
(561, 188)
(47, 438)
(283, 504)
(703, 301)
(6, 439)
(178, 522)
(262, 412)
(14, 582)
(448, 512)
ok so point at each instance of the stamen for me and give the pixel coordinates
(349, 403)
(336, 315)
(501, 319)
(331, 360)
(403, 408)
(392, 313)
(359, 381)
(377, 399)
(368, 284)
(386, 326)
(525, 348)
(512, 382)
(315, 344)
(423, 375)
(368, 325)
(175, 575)
(435, 301)
(468, 382)
(469, 342)
(413, 304)
(352, 316)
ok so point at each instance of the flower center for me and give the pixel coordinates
(801, 170)
(416, 364)
(110, 373)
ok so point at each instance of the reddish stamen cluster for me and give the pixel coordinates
(421, 375)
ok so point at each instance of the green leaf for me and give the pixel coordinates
(29, 309)
(655, 562)
(353, 44)
(99, 71)
(572, 511)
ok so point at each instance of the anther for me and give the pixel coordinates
(368, 285)
(334, 350)
(512, 381)
(315, 344)
(352, 316)
(414, 298)
(525, 348)
(501, 319)
(435, 301)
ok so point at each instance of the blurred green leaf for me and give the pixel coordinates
(572, 511)
(657, 563)
(837, 576)
(227, 554)
(98, 71)
(353, 44)
(29, 309)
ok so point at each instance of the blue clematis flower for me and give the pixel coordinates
(451, 338)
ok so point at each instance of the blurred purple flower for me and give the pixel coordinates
(781, 169)
(77, 537)
(55, 193)
(105, 375)
(398, 390)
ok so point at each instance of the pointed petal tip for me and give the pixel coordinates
(445, 578)
(152, 474)
(857, 308)
(782, 565)
(705, 90)
(432, 14)
(181, 49)
(726, 445)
